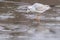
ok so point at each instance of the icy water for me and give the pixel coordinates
(15, 25)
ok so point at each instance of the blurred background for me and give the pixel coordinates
(16, 25)
(50, 2)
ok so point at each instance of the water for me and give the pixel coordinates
(16, 25)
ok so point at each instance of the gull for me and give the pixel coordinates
(37, 8)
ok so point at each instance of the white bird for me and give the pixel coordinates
(38, 7)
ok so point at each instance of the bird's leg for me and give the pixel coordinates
(37, 19)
